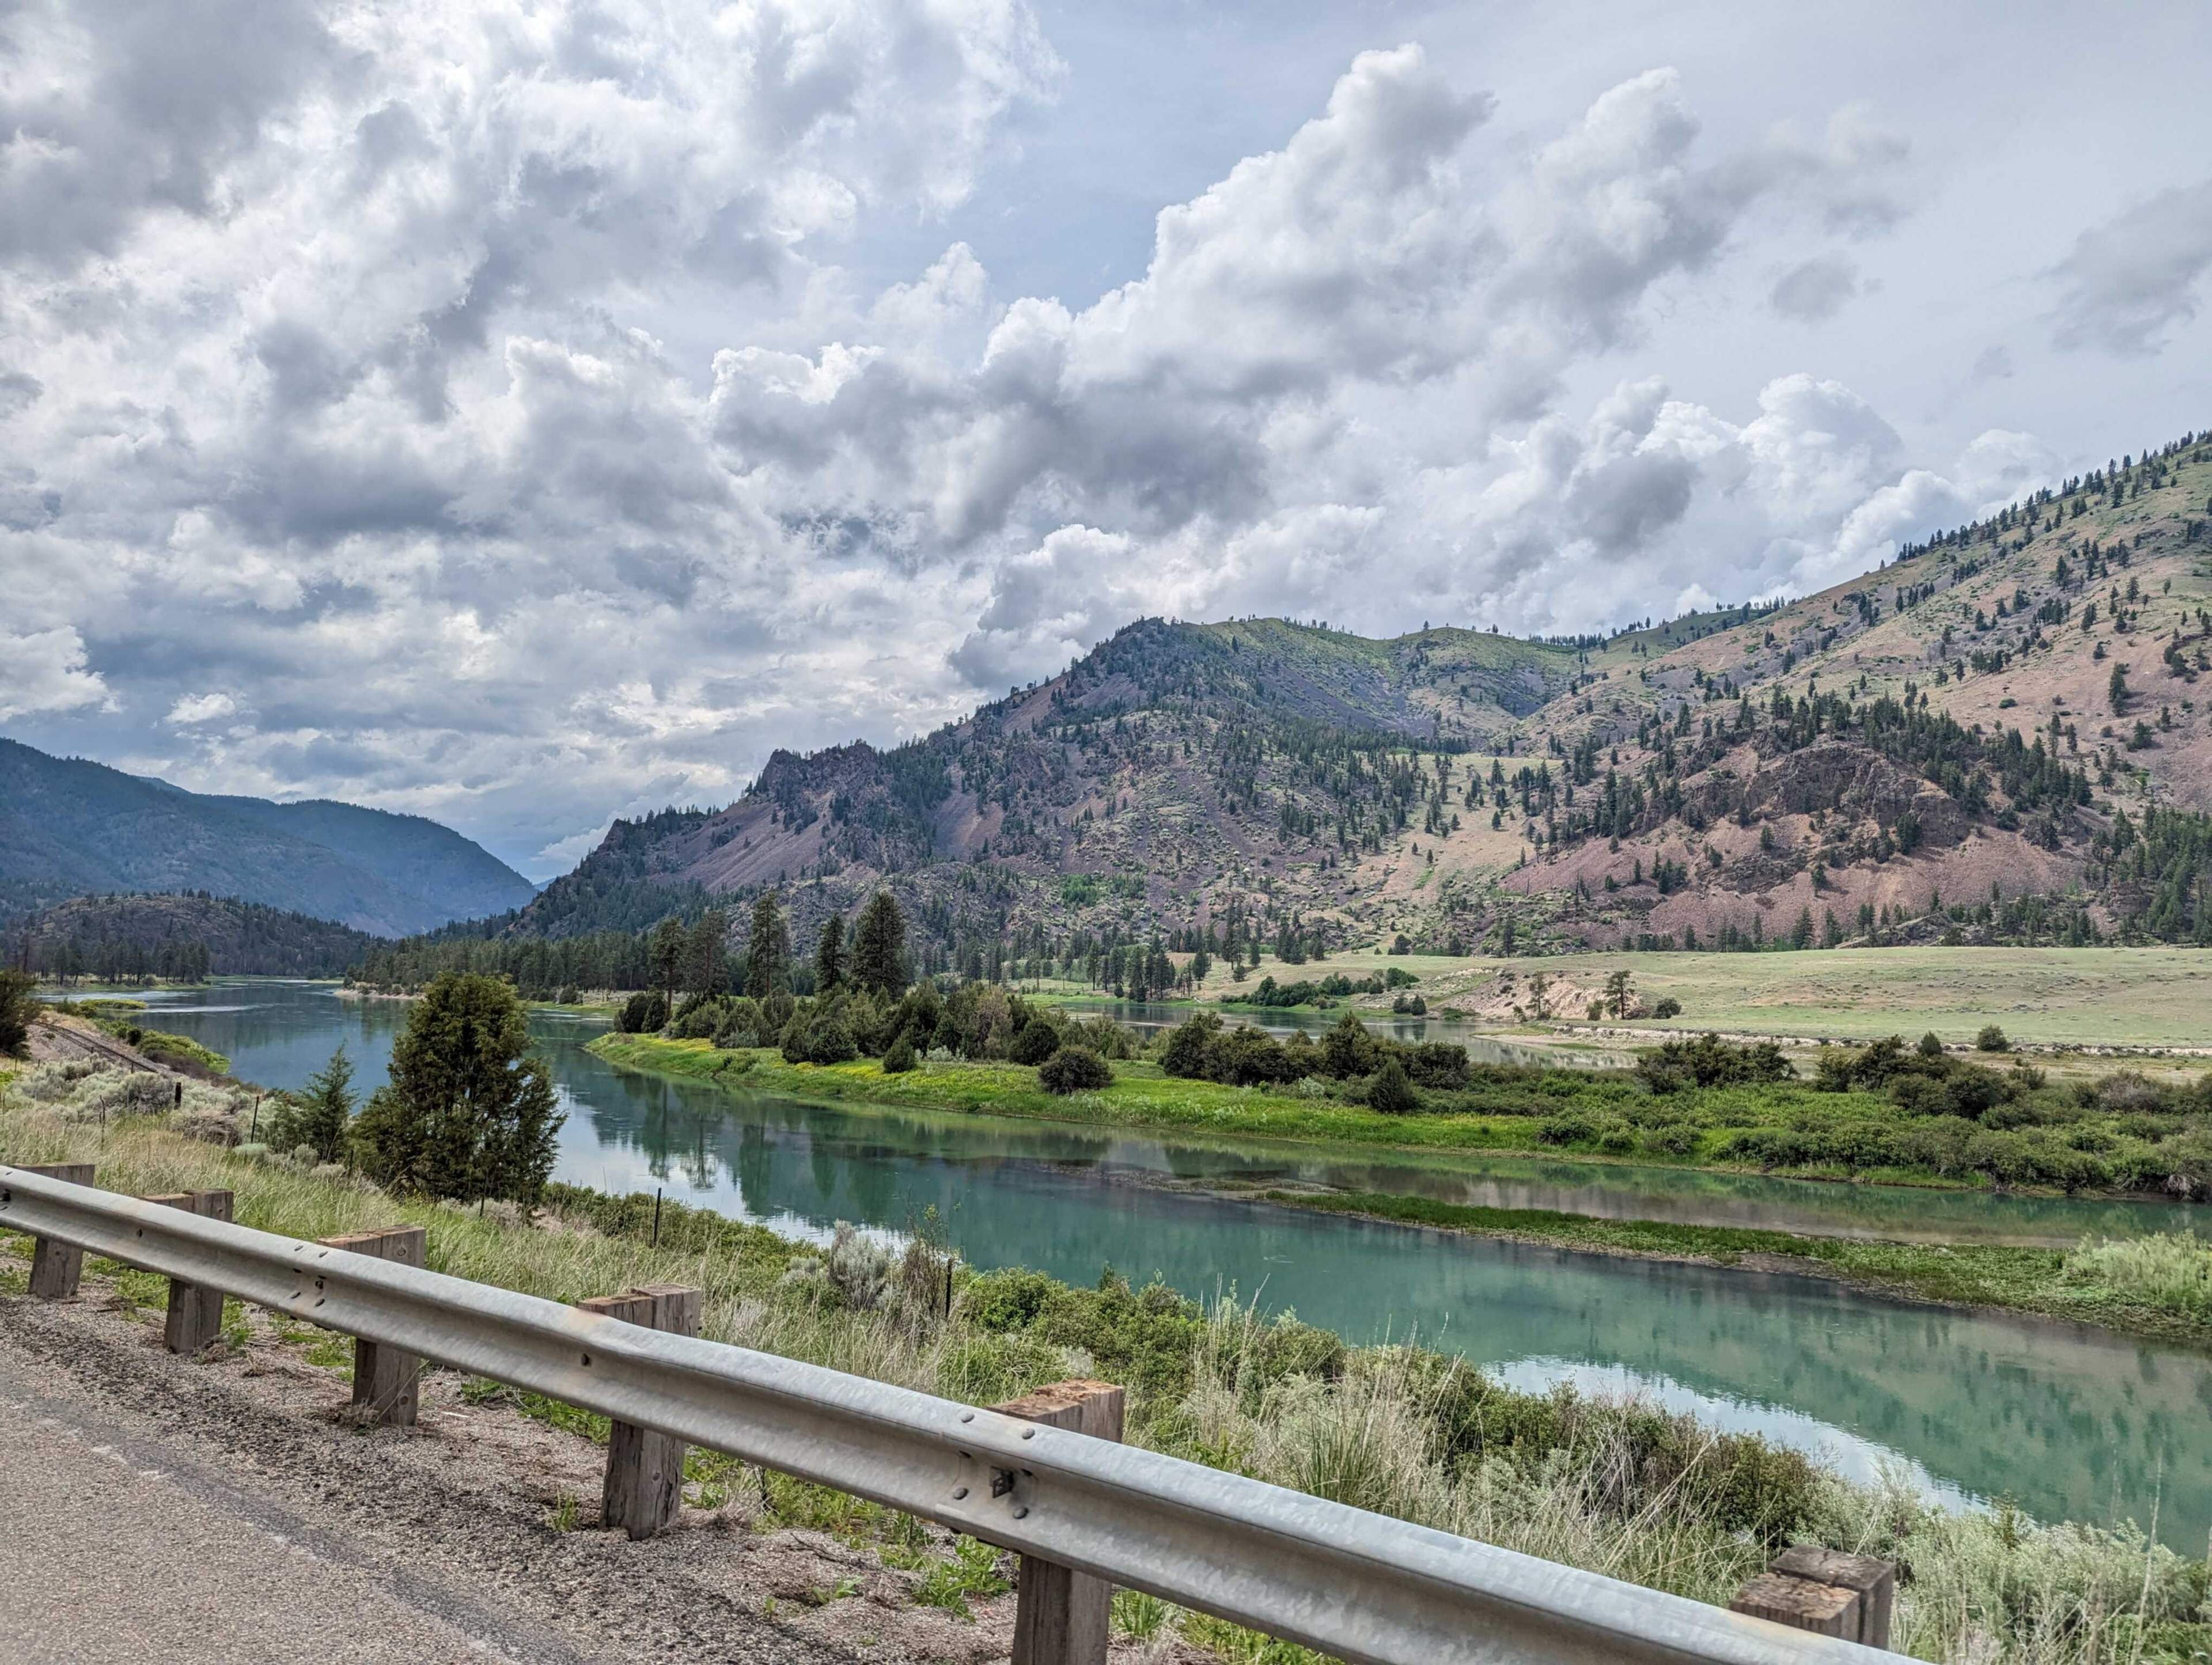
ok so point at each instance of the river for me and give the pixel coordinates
(2070, 1422)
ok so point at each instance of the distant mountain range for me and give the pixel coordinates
(1946, 727)
(71, 828)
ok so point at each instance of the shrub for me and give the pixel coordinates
(1391, 1092)
(17, 1009)
(1246, 1057)
(830, 1042)
(1185, 1052)
(1710, 1062)
(1991, 1039)
(899, 1059)
(1074, 1069)
(644, 1013)
(1036, 1041)
(1437, 1064)
(1668, 1006)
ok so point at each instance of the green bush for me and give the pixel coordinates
(899, 1058)
(1391, 1092)
(1074, 1069)
(17, 1007)
(1036, 1041)
(644, 1013)
(1991, 1039)
(1710, 1062)
(1188, 1043)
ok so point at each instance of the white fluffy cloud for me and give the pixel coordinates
(45, 671)
(476, 408)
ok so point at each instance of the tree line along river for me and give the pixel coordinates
(2070, 1422)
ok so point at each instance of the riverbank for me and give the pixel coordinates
(1592, 1117)
(1624, 1489)
(2032, 1281)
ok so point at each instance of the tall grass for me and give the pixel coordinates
(1621, 1488)
(2172, 1270)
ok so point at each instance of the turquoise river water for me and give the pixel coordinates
(2069, 1421)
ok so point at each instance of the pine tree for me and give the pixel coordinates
(470, 1112)
(879, 947)
(768, 949)
(325, 1109)
(670, 943)
(829, 955)
(703, 953)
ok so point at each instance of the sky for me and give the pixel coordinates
(527, 415)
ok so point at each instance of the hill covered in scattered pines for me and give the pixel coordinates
(1997, 736)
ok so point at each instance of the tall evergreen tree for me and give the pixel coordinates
(768, 949)
(879, 947)
(829, 955)
(703, 953)
(471, 1111)
(670, 942)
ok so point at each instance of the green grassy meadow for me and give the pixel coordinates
(2156, 998)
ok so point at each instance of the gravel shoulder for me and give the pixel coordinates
(221, 1507)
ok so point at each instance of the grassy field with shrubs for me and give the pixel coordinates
(1918, 1113)
(1621, 1487)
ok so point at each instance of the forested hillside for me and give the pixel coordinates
(178, 939)
(1997, 736)
(71, 828)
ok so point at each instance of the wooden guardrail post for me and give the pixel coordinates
(195, 1309)
(1061, 1617)
(57, 1267)
(645, 1469)
(383, 1377)
(1825, 1591)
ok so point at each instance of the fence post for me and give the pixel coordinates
(195, 1311)
(645, 1469)
(1825, 1591)
(383, 1377)
(1061, 1616)
(55, 1267)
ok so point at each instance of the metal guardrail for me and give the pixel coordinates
(1360, 1586)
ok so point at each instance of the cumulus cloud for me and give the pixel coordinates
(348, 448)
(2130, 279)
(195, 708)
(45, 671)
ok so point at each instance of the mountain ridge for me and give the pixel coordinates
(1848, 758)
(71, 827)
